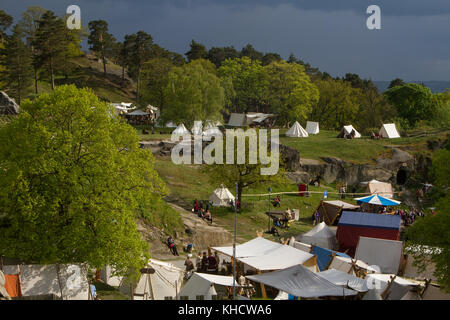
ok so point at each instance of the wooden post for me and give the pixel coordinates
(386, 291)
(151, 287)
(333, 254)
(263, 288)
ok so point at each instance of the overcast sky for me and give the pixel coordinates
(413, 43)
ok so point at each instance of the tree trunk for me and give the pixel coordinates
(137, 84)
(104, 62)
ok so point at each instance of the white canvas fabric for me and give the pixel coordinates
(301, 282)
(396, 291)
(343, 204)
(345, 265)
(384, 253)
(312, 127)
(181, 129)
(347, 130)
(38, 280)
(389, 130)
(321, 236)
(297, 131)
(165, 282)
(262, 254)
(197, 128)
(383, 189)
(302, 246)
(202, 284)
(221, 197)
(343, 279)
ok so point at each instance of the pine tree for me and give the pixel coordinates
(101, 41)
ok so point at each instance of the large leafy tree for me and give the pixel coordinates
(17, 59)
(433, 231)
(250, 52)
(338, 103)
(413, 102)
(155, 76)
(397, 82)
(291, 93)
(100, 40)
(250, 81)
(73, 179)
(193, 92)
(219, 54)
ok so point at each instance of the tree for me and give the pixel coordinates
(100, 40)
(5, 22)
(193, 93)
(432, 231)
(270, 57)
(246, 174)
(198, 51)
(291, 93)
(18, 73)
(249, 80)
(413, 102)
(218, 55)
(155, 77)
(29, 25)
(52, 41)
(73, 179)
(396, 83)
(249, 51)
(338, 103)
(139, 48)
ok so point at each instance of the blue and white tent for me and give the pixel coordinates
(376, 199)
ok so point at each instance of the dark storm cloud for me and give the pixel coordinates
(414, 42)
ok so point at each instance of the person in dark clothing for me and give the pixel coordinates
(212, 263)
(172, 246)
(204, 265)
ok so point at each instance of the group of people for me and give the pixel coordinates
(283, 222)
(351, 135)
(375, 136)
(205, 263)
(201, 209)
(408, 218)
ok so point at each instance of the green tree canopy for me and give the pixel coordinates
(291, 93)
(413, 102)
(73, 179)
(100, 40)
(193, 93)
(197, 51)
(397, 82)
(219, 54)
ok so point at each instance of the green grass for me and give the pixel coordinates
(363, 150)
(188, 182)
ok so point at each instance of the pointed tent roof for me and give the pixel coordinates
(389, 130)
(296, 131)
(379, 200)
(321, 236)
(347, 130)
(221, 196)
(301, 282)
(181, 129)
(312, 127)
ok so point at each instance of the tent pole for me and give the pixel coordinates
(234, 245)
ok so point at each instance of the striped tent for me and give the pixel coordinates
(376, 199)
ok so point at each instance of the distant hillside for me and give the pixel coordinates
(89, 73)
(435, 86)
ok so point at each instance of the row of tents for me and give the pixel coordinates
(388, 130)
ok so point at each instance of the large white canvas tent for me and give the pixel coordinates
(398, 289)
(265, 255)
(346, 130)
(69, 282)
(389, 130)
(343, 279)
(296, 131)
(202, 284)
(312, 127)
(221, 197)
(383, 189)
(181, 130)
(346, 265)
(165, 282)
(386, 254)
(320, 236)
(298, 281)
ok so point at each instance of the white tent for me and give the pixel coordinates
(197, 128)
(301, 282)
(321, 236)
(296, 131)
(202, 284)
(312, 127)
(237, 120)
(346, 130)
(181, 130)
(397, 290)
(165, 282)
(68, 281)
(344, 264)
(343, 279)
(265, 255)
(221, 197)
(389, 130)
(383, 189)
(385, 254)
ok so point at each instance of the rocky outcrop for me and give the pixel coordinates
(399, 158)
(291, 158)
(8, 106)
